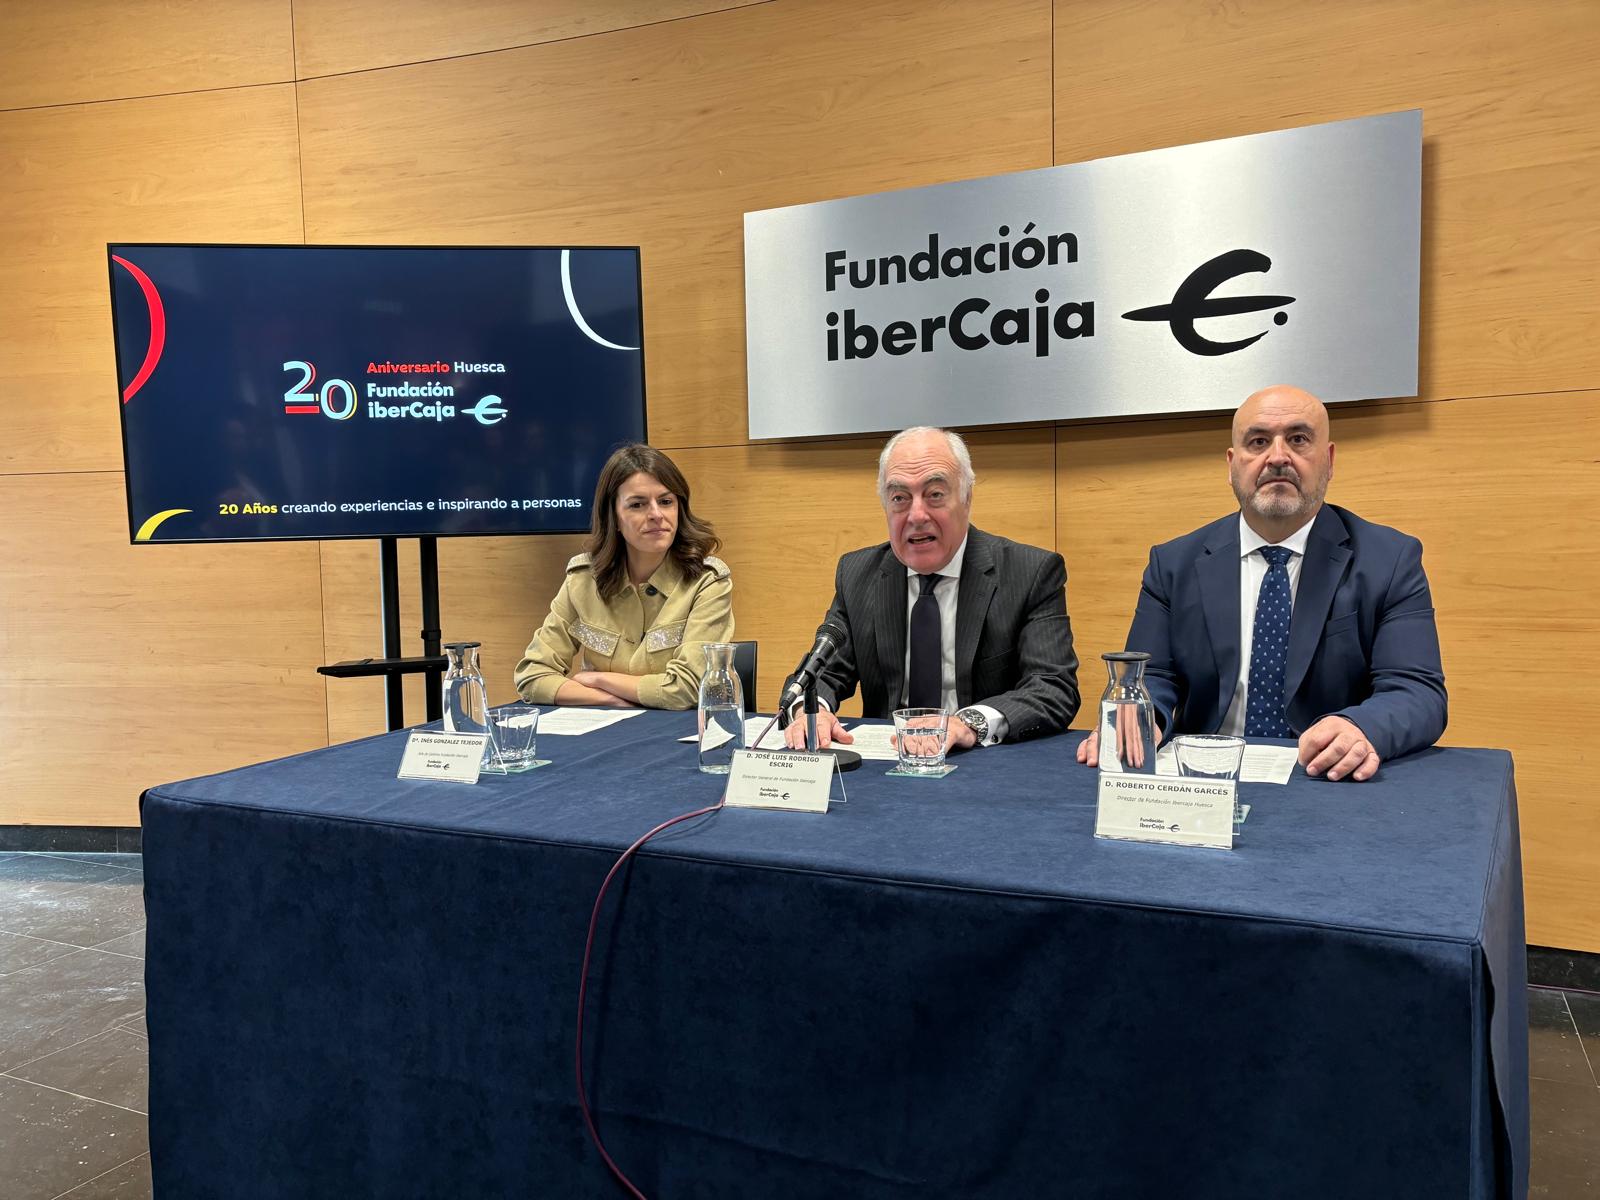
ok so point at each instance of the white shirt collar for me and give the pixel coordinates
(951, 569)
(1250, 541)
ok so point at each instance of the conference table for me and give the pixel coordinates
(365, 986)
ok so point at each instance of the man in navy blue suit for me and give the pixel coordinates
(1293, 618)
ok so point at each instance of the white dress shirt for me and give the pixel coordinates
(1252, 570)
(945, 592)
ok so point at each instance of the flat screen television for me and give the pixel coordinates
(291, 392)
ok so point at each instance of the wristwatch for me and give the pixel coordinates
(977, 722)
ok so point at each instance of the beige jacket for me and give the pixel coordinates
(657, 631)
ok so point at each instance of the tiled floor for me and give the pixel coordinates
(73, 1055)
(1564, 1092)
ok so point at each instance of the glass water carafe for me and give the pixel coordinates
(466, 705)
(721, 710)
(1127, 717)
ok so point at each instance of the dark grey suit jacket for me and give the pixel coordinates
(1013, 637)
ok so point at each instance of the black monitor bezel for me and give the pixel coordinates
(127, 486)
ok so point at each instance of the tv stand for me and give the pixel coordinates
(392, 665)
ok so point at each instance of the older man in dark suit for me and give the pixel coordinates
(945, 615)
(1291, 617)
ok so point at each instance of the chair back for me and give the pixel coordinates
(744, 663)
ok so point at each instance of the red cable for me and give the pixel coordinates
(583, 988)
(583, 977)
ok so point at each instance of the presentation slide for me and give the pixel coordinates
(272, 392)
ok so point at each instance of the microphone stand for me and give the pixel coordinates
(844, 760)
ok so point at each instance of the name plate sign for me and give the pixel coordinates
(782, 779)
(453, 757)
(1180, 812)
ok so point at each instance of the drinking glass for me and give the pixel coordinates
(921, 740)
(1212, 756)
(513, 735)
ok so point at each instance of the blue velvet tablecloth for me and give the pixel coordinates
(363, 986)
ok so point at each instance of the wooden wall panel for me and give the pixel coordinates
(211, 166)
(71, 51)
(665, 136)
(1121, 487)
(1511, 157)
(351, 628)
(333, 36)
(128, 666)
(491, 590)
(1508, 542)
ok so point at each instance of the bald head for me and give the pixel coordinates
(1281, 459)
(1281, 401)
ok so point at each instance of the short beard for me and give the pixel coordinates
(1280, 508)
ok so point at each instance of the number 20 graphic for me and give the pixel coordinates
(298, 400)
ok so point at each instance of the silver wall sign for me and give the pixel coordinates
(1171, 281)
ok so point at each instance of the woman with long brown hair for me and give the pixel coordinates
(641, 602)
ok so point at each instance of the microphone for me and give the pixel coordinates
(830, 636)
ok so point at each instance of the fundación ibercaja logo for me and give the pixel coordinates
(1193, 302)
(429, 400)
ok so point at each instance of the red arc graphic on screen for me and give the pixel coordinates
(158, 327)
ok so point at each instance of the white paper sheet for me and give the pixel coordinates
(570, 722)
(1261, 764)
(872, 743)
(1269, 764)
(752, 727)
(773, 740)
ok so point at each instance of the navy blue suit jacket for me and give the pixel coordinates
(1362, 640)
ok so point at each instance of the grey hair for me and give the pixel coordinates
(958, 450)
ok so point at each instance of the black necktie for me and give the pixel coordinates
(925, 688)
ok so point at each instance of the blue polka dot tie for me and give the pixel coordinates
(1269, 650)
